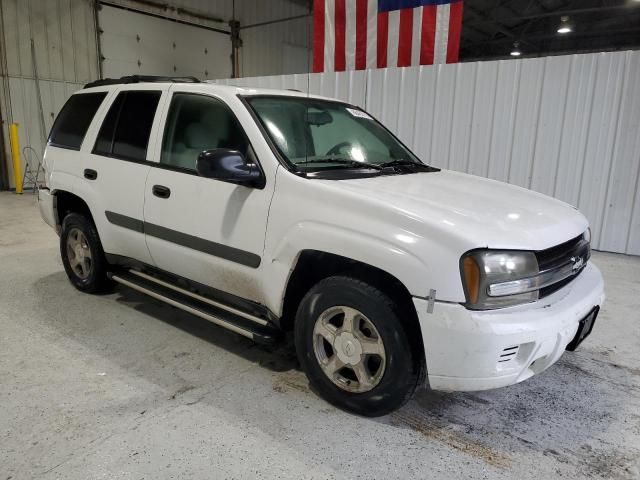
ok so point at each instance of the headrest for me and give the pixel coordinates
(197, 137)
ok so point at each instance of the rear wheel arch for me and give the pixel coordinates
(66, 203)
(82, 254)
(312, 266)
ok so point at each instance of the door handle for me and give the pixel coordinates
(90, 174)
(161, 191)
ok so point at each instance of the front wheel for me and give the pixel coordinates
(82, 254)
(355, 348)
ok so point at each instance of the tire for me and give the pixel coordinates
(79, 240)
(320, 319)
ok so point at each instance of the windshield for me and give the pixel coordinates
(313, 133)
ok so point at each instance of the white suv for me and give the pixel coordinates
(266, 211)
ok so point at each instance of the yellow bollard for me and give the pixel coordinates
(15, 155)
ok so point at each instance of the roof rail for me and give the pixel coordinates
(140, 79)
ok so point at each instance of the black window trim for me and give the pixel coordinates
(65, 147)
(225, 105)
(117, 122)
(149, 163)
(282, 159)
(173, 168)
(84, 137)
(125, 92)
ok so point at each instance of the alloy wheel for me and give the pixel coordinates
(79, 253)
(349, 349)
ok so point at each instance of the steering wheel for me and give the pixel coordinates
(337, 149)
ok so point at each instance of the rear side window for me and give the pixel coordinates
(126, 128)
(74, 119)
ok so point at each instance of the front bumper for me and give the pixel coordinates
(471, 350)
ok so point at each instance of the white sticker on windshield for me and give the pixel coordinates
(358, 113)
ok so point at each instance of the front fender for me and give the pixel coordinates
(376, 252)
(420, 252)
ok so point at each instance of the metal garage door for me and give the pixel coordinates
(138, 43)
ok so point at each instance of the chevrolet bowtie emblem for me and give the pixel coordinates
(578, 262)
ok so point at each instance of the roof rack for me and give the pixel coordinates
(140, 79)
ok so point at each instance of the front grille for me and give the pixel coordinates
(560, 255)
(546, 291)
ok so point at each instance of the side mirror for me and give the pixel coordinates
(228, 166)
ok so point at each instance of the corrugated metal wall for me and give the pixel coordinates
(565, 126)
(65, 52)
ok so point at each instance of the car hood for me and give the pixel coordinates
(482, 212)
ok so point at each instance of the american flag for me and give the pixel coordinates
(359, 34)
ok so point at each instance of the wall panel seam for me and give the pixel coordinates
(537, 124)
(515, 116)
(634, 201)
(620, 110)
(588, 135)
(467, 160)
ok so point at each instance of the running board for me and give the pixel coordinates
(250, 326)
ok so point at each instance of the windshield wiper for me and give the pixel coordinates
(402, 162)
(343, 161)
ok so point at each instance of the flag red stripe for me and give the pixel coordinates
(406, 37)
(340, 61)
(318, 35)
(383, 38)
(428, 34)
(361, 34)
(455, 27)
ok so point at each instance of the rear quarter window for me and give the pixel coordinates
(73, 121)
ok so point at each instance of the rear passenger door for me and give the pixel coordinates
(117, 168)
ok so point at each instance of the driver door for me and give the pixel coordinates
(206, 230)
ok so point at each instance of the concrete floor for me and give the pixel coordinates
(119, 386)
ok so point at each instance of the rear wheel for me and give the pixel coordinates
(355, 348)
(82, 254)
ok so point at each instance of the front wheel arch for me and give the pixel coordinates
(356, 323)
(313, 266)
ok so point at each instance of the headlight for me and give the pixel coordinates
(499, 278)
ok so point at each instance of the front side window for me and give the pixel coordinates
(196, 123)
(74, 119)
(126, 128)
(313, 133)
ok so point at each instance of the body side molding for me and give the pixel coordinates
(125, 222)
(226, 252)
